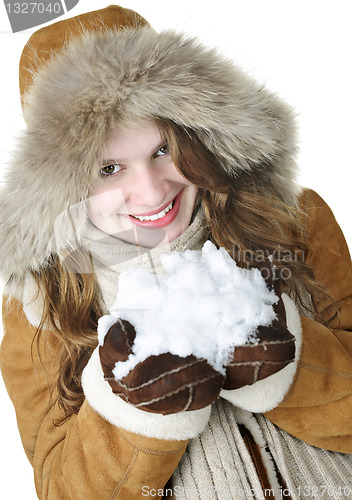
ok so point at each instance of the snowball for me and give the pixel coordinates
(204, 305)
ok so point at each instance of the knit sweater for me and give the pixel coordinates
(218, 465)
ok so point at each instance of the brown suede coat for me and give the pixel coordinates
(88, 458)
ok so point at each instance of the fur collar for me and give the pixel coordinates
(112, 78)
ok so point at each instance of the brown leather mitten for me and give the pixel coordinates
(166, 383)
(273, 349)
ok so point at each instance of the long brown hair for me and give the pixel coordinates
(71, 309)
(244, 214)
(245, 217)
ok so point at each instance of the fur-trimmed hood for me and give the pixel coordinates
(111, 78)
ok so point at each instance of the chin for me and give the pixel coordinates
(172, 234)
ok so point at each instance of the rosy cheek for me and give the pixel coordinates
(175, 175)
(106, 201)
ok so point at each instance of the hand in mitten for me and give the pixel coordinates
(165, 383)
(273, 349)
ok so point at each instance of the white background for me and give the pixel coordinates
(299, 48)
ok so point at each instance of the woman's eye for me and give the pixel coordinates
(165, 150)
(110, 169)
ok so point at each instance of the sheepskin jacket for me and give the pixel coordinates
(107, 79)
(112, 451)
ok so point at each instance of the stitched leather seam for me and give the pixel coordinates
(127, 340)
(126, 474)
(325, 370)
(182, 388)
(265, 343)
(255, 363)
(256, 372)
(156, 379)
(190, 398)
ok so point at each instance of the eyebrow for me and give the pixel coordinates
(163, 142)
(109, 162)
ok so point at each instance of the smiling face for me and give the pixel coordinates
(140, 191)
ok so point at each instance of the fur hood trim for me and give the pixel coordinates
(109, 79)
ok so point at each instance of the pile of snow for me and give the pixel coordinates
(203, 305)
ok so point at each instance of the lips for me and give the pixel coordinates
(147, 214)
(159, 215)
(165, 220)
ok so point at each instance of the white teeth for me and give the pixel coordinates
(156, 216)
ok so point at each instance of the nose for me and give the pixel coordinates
(147, 187)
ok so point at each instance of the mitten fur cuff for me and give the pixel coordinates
(177, 426)
(266, 394)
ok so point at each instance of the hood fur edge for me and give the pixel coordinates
(109, 79)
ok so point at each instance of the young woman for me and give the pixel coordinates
(139, 144)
